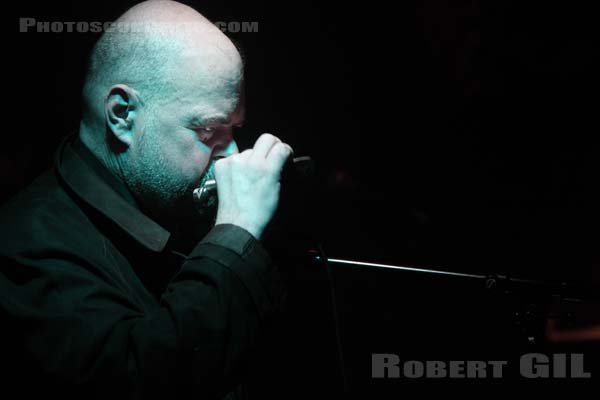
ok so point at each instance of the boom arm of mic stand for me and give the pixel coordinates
(530, 301)
(491, 281)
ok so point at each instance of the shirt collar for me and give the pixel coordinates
(91, 181)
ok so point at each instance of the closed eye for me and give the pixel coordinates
(205, 133)
(208, 129)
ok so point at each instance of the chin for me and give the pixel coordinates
(183, 209)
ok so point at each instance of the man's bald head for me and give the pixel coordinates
(153, 48)
(161, 100)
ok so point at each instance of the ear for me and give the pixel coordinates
(121, 110)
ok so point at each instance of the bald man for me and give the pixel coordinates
(111, 282)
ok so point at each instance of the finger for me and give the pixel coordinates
(263, 145)
(221, 168)
(278, 155)
(244, 155)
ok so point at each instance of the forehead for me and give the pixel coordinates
(205, 90)
(226, 109)
(206, 94)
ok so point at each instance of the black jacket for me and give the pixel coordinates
(95, 299)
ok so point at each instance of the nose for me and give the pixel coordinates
(225, 151)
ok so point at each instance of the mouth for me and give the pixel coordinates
(209, 173)
(206, 203)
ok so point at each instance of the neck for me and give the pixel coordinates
(90, 136)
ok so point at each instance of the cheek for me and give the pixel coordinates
(190, 156)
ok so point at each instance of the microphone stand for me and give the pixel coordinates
(493, 282)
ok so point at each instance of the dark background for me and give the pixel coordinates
(459, 135)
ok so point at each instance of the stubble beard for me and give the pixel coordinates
(162, 192)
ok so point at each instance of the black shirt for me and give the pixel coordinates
(96, 301)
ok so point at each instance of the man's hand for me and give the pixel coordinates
(248, 184)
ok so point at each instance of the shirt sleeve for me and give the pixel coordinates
(227, 243)
(77, 330)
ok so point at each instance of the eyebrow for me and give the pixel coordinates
(198, 120)
(220, 119)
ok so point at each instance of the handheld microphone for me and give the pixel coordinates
(205, 195)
